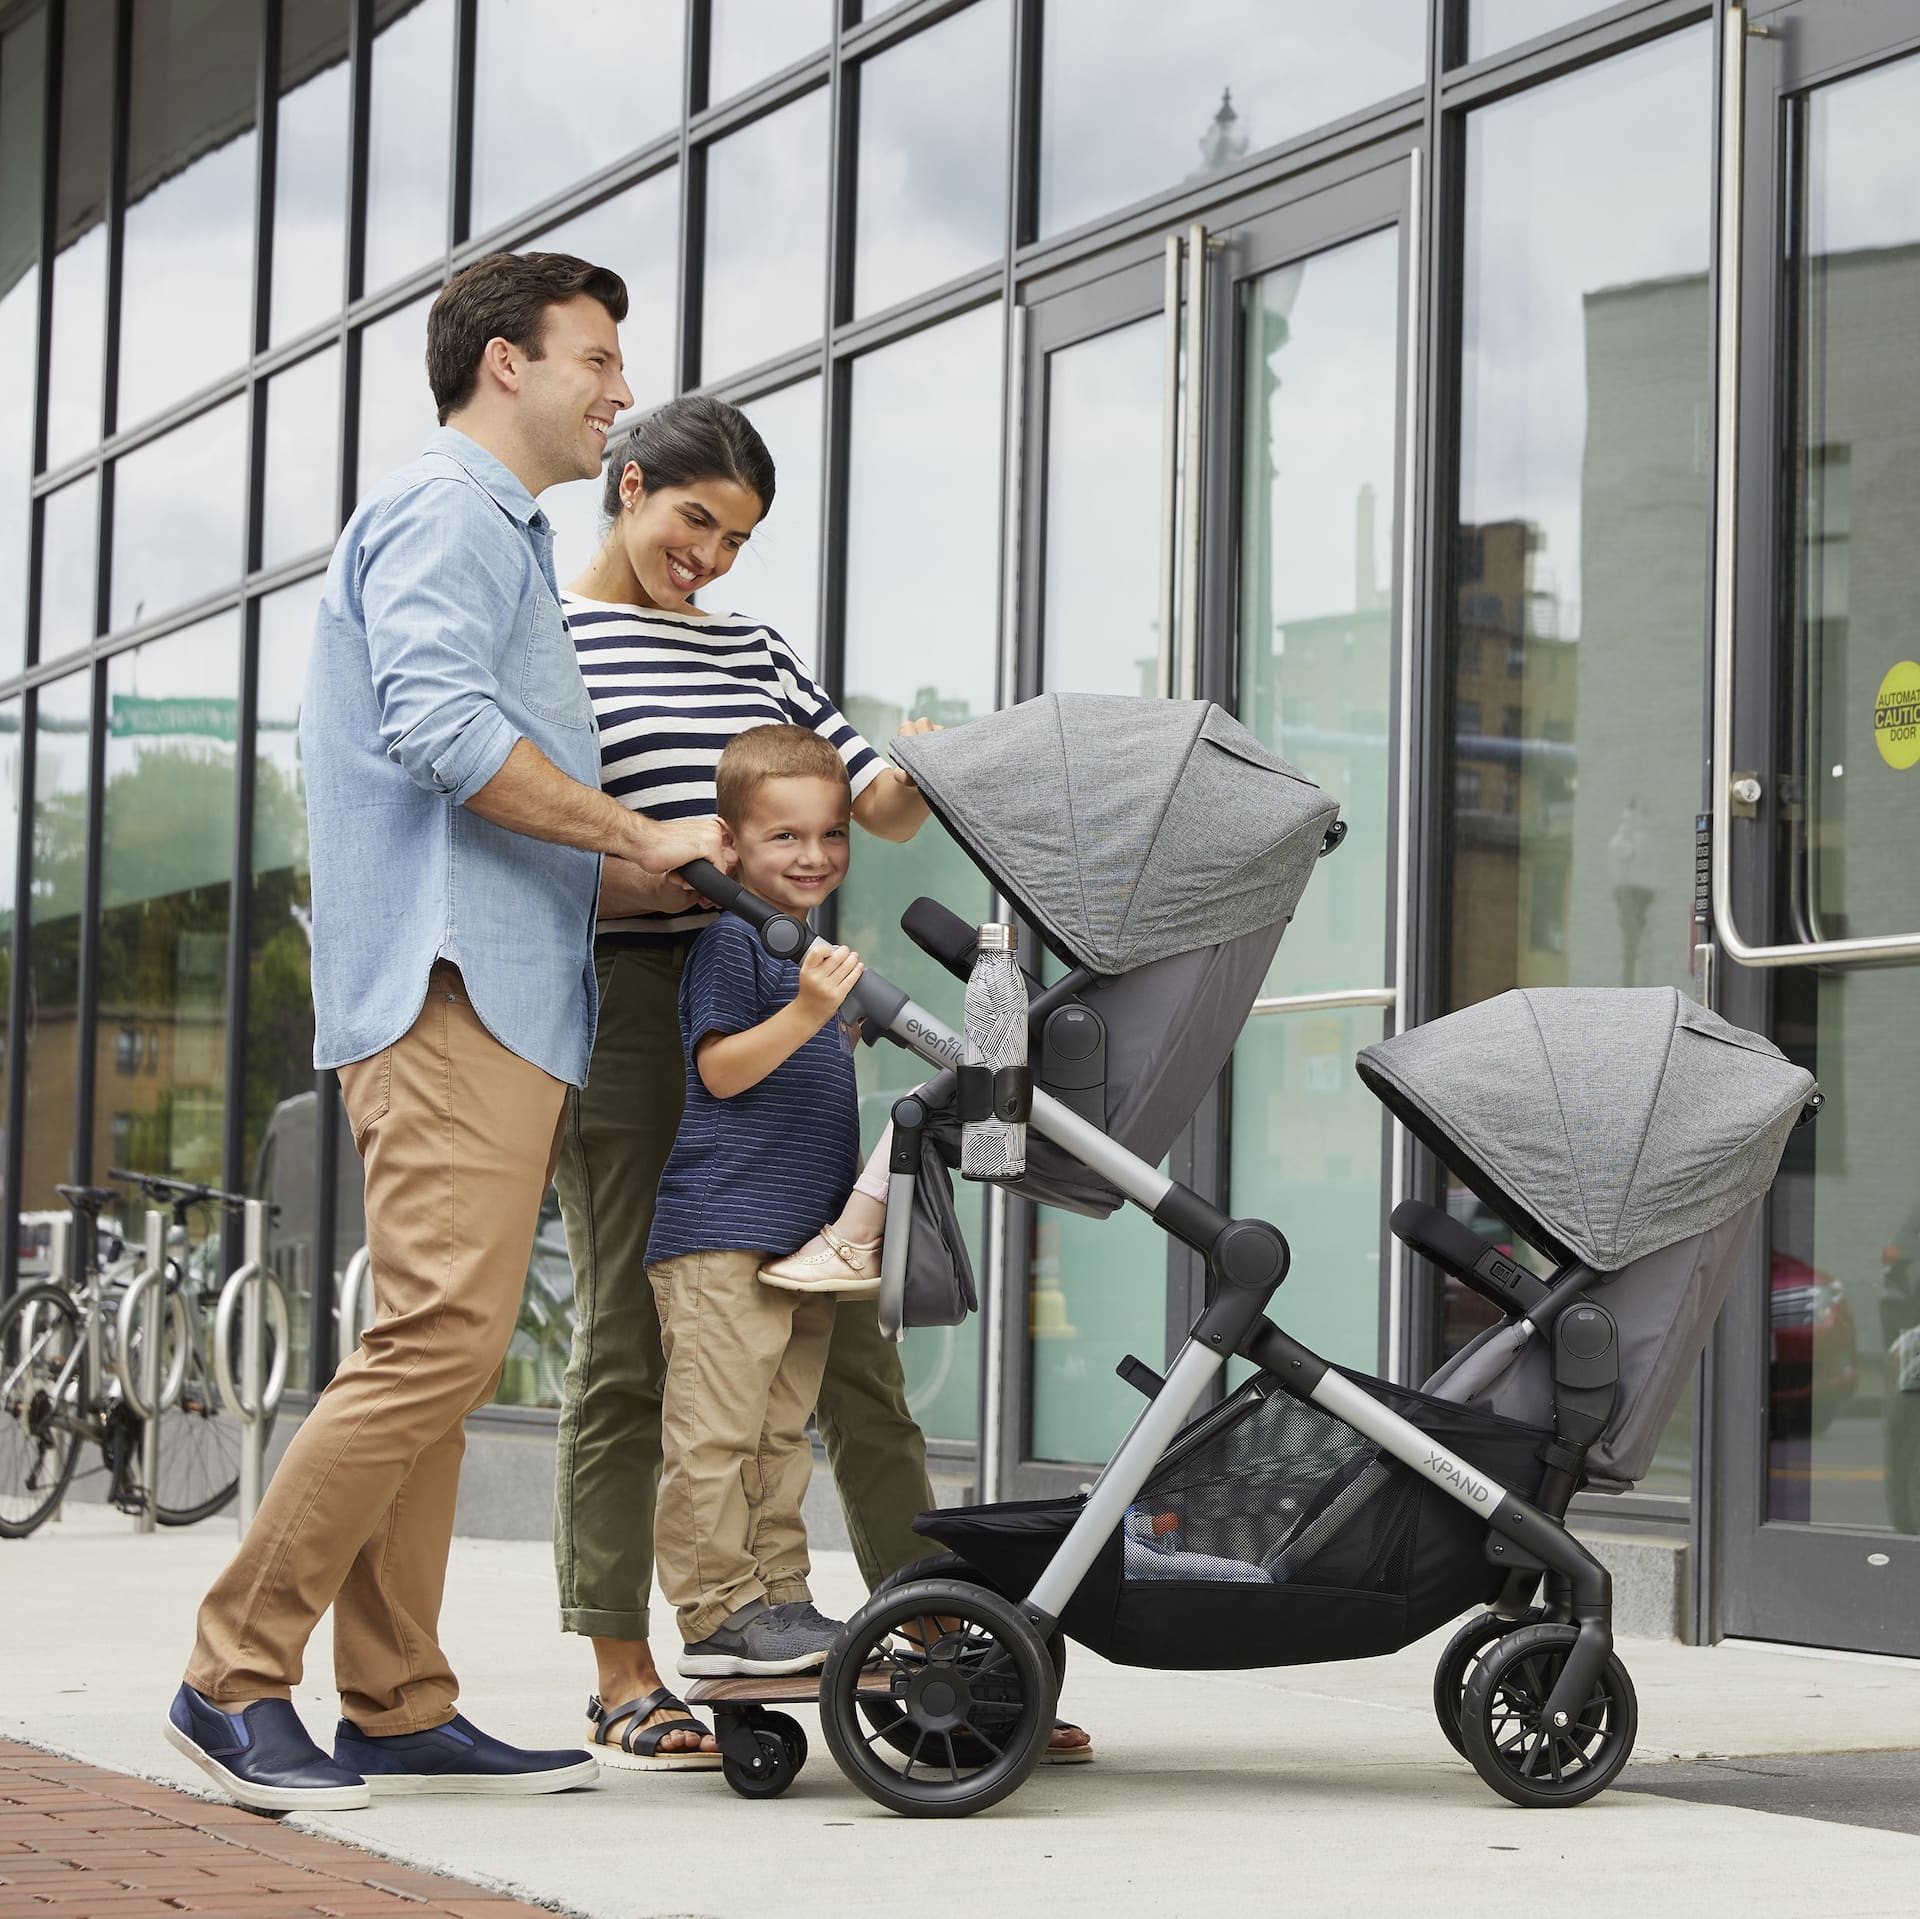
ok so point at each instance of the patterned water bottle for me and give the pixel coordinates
(996, 1038)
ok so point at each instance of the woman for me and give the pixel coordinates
(671, 683)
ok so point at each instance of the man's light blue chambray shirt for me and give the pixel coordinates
(439, 643)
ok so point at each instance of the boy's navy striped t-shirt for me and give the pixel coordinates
(669, 691)
(765, 1170)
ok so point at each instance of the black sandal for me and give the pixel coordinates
(638, 1748)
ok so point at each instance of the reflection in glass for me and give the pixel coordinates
(166, 855)
(1494, 24)
(77, 337)
(1580, 557)
(179, 515)
(932, 191)
(186, 292)
(766, 238)
(279, 1091)
(409, 132)
(922, 531)
(23, 57)
(310, 166)
(1137, 96)
(534, 62)
(396, 404)
(56, 902)
(1101, 572)
(749, 39)
(1843, 1382)
(300, 509)
(10, 764)
(777, 578)
(69, 528)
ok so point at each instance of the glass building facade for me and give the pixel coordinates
(1374, 371)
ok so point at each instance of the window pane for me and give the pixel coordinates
(166, 855)
(10, 757)
(396, 404)
(179, 522)
(310, 166)
(1137, 96)
(410, 130)
(1099, 629)
(922, 531)
(23, 73)
(1493, 24)
(1581, 553)
(534, 63)
(186, 298)
(80, 234)
(301, 508)
(279, 1089)
(749, 39)
(777, 579)
(933, 189)
(766, 239)
(636, 233)
(69, 526)
(56, 899)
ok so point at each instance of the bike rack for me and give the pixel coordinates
(354, 1310)
(250, 1290)
(146, 1399)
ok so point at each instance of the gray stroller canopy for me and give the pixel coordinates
(1126, 829)
(1602, 1123)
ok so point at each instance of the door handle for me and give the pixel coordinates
(1169, 476)
(1194, 425)
(1732, 210)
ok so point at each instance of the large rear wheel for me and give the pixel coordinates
(39, 1414)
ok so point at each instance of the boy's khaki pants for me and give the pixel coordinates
(743, 1371)
(459, 1137)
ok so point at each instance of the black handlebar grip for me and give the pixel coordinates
(1459, 1250)
(941, 934)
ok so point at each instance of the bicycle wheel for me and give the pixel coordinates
(40, 1400)
(200, 1440)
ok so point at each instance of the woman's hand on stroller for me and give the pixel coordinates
(827, 975)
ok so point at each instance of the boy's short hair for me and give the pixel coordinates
(764, 753)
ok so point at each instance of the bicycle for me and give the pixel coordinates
(72, 1363)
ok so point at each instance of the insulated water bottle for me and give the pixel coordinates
(996, 1038)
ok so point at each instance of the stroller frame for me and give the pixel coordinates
(1247, 1260)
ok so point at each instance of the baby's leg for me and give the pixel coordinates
(778, 1537)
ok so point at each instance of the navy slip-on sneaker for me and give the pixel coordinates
(458, 1757)
(262, 1756)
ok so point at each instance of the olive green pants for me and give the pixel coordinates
(618, 1131)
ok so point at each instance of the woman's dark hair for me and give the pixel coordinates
(689, 439)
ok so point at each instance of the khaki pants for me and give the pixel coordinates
(743, 1371)
(459, 1136)
(619, 1129)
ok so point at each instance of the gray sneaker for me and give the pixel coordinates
(762, 1640)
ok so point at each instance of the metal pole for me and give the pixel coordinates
(151, 1370)
(253, 1326)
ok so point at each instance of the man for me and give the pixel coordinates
(457, 827)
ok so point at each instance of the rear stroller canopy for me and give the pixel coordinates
(1602, 1122)
(1127, 829)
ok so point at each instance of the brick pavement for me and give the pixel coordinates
(76, 1842)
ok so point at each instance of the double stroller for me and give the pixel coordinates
(1315, 1513)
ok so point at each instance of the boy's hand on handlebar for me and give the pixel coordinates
(827, 975)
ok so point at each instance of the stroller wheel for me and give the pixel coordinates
(1463, 1654)
(972, 1689)
(887, 1718)
(1505, 1733)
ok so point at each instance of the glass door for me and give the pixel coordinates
(1816, 784)
(1211, 488)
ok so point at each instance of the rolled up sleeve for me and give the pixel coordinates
(442, 596)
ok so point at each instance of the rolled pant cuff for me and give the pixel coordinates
(598, 1623)
(702, 1622)
(405, 1719)
(234, 1697)
(786, 1592)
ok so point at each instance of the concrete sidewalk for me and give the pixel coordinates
(1320, 1789)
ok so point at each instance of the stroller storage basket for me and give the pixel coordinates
(1271, 1534)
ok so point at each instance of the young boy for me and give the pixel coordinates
(768, 1147)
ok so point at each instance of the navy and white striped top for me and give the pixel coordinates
(669, 691)
(761, 1170)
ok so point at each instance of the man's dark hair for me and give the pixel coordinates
(505, 297)
(695, 437)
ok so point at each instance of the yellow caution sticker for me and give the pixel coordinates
(1896, 716)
